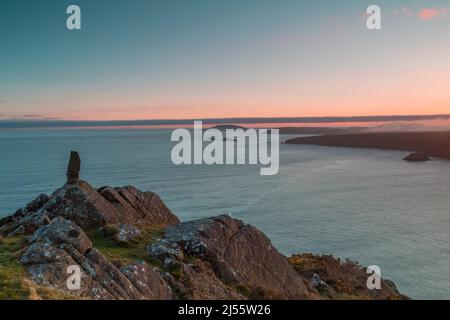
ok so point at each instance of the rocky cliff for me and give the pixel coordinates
(128, 245)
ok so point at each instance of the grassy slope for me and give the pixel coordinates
(125, 253)
(11, 271)
(14, 284)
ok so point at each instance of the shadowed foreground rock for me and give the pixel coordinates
(239, 254)
(128, 245)
(417, 157)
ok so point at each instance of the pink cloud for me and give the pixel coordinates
(432, 13)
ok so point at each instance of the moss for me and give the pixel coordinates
(126, 253)
(46, 293)
(176, 271)
(110, 230)
(11, 271)
(245, 291)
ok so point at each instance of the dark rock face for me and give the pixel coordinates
(417, 157)
(239, 254)
(73, 169)
(61, 244)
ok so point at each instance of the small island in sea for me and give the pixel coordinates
(128, 245)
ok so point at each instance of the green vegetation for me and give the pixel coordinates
(124, 253)
(14, 285)
(11, 271)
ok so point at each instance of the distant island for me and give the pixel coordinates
(434, 144)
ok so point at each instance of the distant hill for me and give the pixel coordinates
(223, 127)
(435, 144)
(318, 130)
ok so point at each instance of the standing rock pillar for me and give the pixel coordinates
(73, 170)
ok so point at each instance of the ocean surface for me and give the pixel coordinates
(366, 205)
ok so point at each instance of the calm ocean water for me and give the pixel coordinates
(366, 205)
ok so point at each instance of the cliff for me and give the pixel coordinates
(129, 245)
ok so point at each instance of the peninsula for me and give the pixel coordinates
(434, 144)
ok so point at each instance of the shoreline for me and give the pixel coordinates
(434, 144)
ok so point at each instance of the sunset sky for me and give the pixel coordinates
(168, 59)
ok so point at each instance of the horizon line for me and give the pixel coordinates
(49, 123)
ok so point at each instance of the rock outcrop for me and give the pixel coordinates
(417, 157)
(239, 254)
(126, 244)
(74, 167)
(337, 279)
(81, 203)
(54, 249)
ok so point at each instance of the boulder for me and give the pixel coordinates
(417, 157)
(241, 255)
(168, 253)
(148, 281)
(127, 233)
(63, 244)
(138, 206)
(81, 203)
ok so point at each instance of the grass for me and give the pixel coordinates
(11, 271)
(14, 284)
(125, 253)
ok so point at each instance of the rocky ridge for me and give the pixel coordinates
(128, 245)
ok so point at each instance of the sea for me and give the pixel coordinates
(364, 205)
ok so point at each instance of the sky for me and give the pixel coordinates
(193, 59)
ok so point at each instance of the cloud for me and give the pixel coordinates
(432, 13)
(31, 116)
(425, 14)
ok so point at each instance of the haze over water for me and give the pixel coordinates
(353, 203)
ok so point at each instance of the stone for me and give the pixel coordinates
(138, 206)
(240, 254)
(91, 208)
(417, 157)
(37, 203)
(148, 281)
(127, 233)
(168, 253)
(55, 247)
(73, 169)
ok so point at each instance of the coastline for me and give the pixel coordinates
(434, 144)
